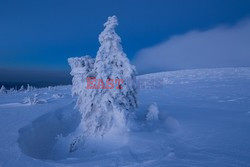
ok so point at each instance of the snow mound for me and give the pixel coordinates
(39, 138)
(172, 125)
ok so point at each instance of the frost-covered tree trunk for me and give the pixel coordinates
(104, 109)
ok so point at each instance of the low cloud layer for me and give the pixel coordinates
(219, 47)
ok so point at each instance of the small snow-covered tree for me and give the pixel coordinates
(11, 90)
(33, 100)
(81, 67)
(153, 112)
(29, 88)
(104, 109)
(21, 88)
(3, 89)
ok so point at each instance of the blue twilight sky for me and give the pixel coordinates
(42, 34)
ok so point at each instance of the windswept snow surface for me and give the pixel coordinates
(204, 120)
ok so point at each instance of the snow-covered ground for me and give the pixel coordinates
(204, 120)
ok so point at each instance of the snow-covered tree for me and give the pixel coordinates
(153, 112)
(11, 90)
(81, 67)
(29, 88)
(109, 108)
(33, 100)
(104, 108)
(21, 88)
(3, 89)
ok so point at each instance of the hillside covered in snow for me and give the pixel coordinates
(202, 118)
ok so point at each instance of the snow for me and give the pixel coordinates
(203, 121)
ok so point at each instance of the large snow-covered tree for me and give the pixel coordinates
(110, 108)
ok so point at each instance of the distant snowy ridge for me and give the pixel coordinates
(161, 79)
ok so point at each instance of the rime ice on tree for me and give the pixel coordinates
(21, 88)
(81, 67)
(3, 89)
(105, 109)
(153, 112)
